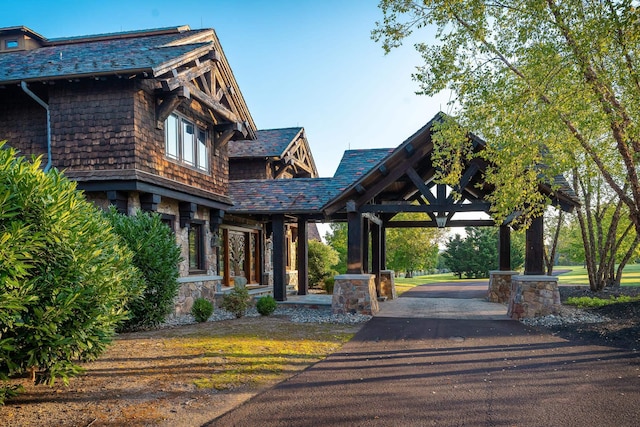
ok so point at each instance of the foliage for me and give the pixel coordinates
(411, 249)
(329, 283)
(337, 239)
(593, 302)
(157, 256)
(237, 301)
(65, 277)
(321, 258)
(202, 309)
(477, 253)
(550, 86)
(266, 305)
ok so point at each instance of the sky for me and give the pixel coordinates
(298, 62)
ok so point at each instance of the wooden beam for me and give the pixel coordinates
(432, 223)
(186, 76)
(210, 102)
(399, 207)
(376, 255)
(504, 248)
(171, 65)
(465, 179)
(419, 183)
(169, 104)
(354, 243)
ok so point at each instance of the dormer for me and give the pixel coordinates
(13, 39)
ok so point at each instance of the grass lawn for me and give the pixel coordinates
(576, 276)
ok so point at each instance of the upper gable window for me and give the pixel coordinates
(186, 143)
(11, 44)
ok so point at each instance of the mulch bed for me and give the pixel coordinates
(623, 328)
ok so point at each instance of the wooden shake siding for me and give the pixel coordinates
(92, 125)
(250, 169)
(150, 149)
(23, 122)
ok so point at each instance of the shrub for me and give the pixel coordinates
(321, 259)
(266, 305)
(65, 277)
(328, 284)
(157, 256)
(237, 301)
(594, 302)
(202, 309)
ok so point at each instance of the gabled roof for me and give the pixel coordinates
(176, 57)
(268, 143)
(288, 146)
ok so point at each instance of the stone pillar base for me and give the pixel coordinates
(533, 296)
(387, 284)
(500, 286)
(354, 293)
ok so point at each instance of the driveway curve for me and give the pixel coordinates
(430, 369)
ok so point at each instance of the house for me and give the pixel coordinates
(143, 120)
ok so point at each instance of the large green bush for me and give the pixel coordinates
(65, 277)
(321, 258)
(156, 255)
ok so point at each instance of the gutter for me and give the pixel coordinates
(44, 105)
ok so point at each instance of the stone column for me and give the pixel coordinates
(500, 285)
(354, 293)
(533, 296)
(387, 284)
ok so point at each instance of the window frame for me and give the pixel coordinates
(189, 142)
(196, 230)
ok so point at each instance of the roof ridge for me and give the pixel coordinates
(117, 35)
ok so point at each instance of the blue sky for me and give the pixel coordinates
(298, 63)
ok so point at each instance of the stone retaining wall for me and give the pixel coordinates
(192, 288)
(355, 293)
(533, 296)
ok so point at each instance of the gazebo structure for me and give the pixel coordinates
(369, 189)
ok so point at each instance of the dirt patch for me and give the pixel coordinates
(146, 379)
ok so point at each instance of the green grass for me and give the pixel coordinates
(578, 275)
(592, 302)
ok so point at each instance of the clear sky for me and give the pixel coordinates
(297, 62)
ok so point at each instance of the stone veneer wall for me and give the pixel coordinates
(192, 288)
(355, 293)
(533, 296)
(387, 284)
(500, 286)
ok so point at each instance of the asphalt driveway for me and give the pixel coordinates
(434, 370)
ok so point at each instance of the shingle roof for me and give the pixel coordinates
(268, 143)
(88, 57)
(299, 195)
(356, 163)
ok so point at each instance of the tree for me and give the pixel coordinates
(411, 249)
(321, 259)
(477, 254)
(157, 256)
(65, 277)
(549, 85)
(337, 239)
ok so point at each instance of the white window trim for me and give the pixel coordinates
(197, 164)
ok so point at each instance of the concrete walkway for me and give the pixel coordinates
(435, 370)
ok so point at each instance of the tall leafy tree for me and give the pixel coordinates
(549, 85)
(411, 249)
(337, 239)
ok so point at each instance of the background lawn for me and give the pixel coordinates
(577, 275)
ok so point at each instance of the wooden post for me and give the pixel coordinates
(366, 232)
(354, 240)
(383, 248)
(279, 261)
(504, 249)
(375, 254)
(534, 253)
(303, 257)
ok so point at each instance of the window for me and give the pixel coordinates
(11, 44)
(186, 143)
(196, 248)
